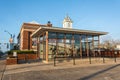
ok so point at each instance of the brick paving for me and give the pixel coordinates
(63, 71)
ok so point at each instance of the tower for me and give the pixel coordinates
(67, 22)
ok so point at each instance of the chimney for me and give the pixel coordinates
(49, 24)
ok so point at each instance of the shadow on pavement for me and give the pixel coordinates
(99, 72)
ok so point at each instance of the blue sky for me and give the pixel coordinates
(99, 15)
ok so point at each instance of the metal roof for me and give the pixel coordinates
(66, 30)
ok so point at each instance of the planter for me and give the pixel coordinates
(31, 56)
(21, 56)
(10, 61)
(27, 56)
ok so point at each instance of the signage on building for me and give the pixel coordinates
(14, 54)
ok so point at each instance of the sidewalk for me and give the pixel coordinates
(12, 69)
(2, 68)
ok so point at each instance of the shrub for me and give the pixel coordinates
(21, 52)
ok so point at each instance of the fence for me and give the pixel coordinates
(106, 56)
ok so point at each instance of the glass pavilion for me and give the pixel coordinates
(53, 41)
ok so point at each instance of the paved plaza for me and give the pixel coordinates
(63, 71)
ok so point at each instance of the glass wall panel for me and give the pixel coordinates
(77, 45)
(83, 45)
(83, 36)
(95, 37)
(51, 48)
(44, 37)
(51, 44)
(95, 44)
(60, 36)
(90, 41)
(77, 37)
(96, 41)
(41, 50)
(68, 36)
(69, 44)
(41, 47)
(61, 47)
(34, 41)
(90, 45)
(41, 38)
(52, 35)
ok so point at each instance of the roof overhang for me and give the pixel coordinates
(66, 30)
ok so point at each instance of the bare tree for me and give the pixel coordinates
(108, 42)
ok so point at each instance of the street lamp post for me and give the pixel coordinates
(9, 33)
(11, 39)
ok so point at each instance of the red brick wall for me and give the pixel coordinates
(11, 61)
(109, 53)
(21, 56)
(27, 56)
(31, 56)
(25, 40)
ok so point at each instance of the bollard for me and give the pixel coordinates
(73, 60)
(54, 61)
(90, 58)
(115, 53)
(103, 58)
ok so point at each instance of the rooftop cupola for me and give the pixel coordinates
(67, 22)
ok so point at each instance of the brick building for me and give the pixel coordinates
(50, 41)
(25, 42)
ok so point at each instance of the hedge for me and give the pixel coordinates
(21, 52)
